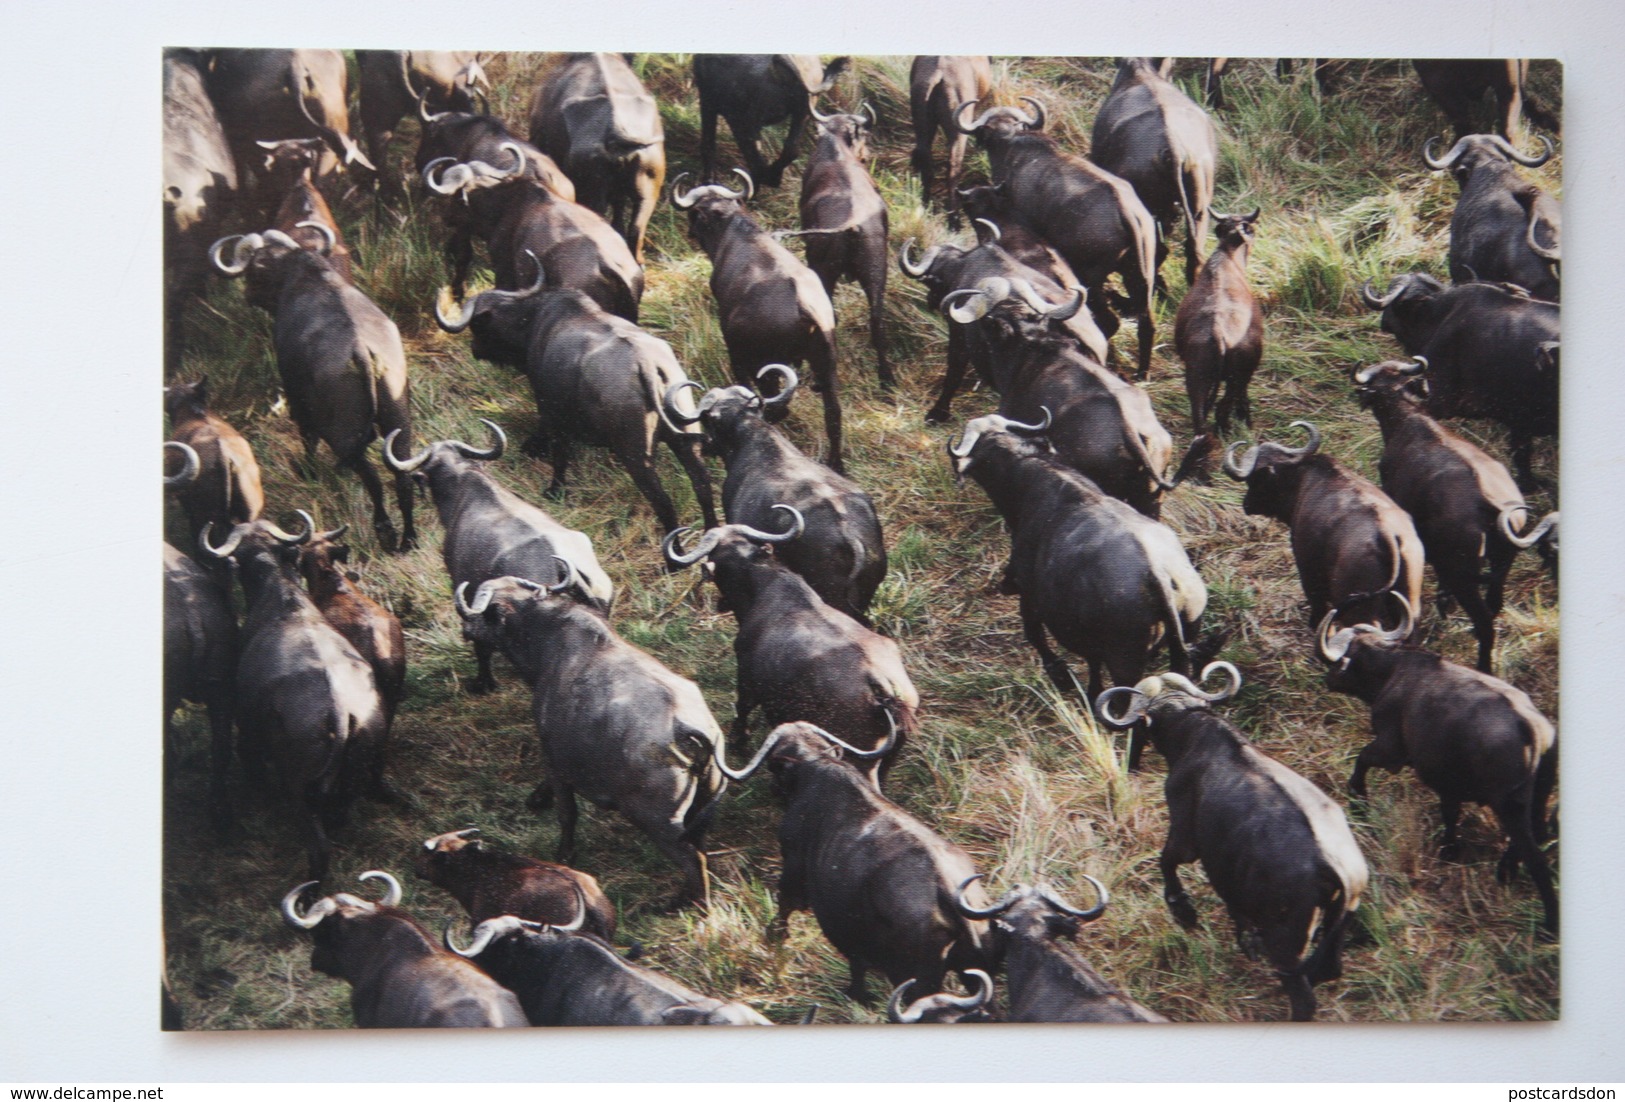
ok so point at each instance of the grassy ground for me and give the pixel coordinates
(1004, 766)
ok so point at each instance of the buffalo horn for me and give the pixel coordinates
(1525, 159)
(981, 120)
(329, 537)
(874, 119)
(237, 263)
(1021, 429)
(993, 231)
(392, 887)
(1554, 254)
(1364, 375)
(916, 269)
(499, 443)
(672, 546)
(484, 934)
(404, 466)
(1243, 470)
(1547, 523)
(571, 577)
(190, 464)
(1333, 643)
(1035, 121)
(976, 306)
(453, 324)
(1185, 685)
(669, 404)
(1136, 706)
(940, 1001)
(440, 187)
(787, 386)
(1381, 302)
(277, 237)
(482, 599)
(688, 198)
(750, 186)
(311, 918)
(798, 525)
(329, 238)
(224, 550)
(1449, 159)
(423, 112)
(1063, 311)
(995, 910)
(1417, 365)
(293, 537)
(1309, 448)
(754, 764)
(581, 911)
(1102, 897)
(813, 107)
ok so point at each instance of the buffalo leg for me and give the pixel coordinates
(1379, 753)
(696, 890)
(403, 501)
(317, 845)
(1515, 815)
(382, 526)
(687, 452)
(1283, 941)
(857, 989)
(564, 804)
(958, 360)
(708, 143)
(1450, 844)
(1466, 589)
(1055, 667)
(822, 362)
(562, 450)
(925, 136)
(792, 896)
(792, 143)
(1177, 852)
(748, 139)
(642, 470)
(874, 289)
(484, 680)
(1545, 779)
(746, 704)
(460, 252)
(956, 166)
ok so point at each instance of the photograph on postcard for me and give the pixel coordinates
(666, 539)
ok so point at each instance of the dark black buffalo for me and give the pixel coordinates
(342, 363)
(533, 234)
(843, 219)
(1100, 425)
(800, 659)
(396, 83)
(1491, 352)
(399, 978)
(753, 91)
(267, 96)
(595, 118)
(1458, 85)
(1505, 229)
(936, 88)
(773, 309)
(842, 553)
(615, 725)
(1047, 979)
(491, 882)
(492, 532)
(1351, 542)
(200, 665)
(597, 378)
(989, 209)
(1219, 330)
(945, 269)
(1154, 136)
(1277, 850)
(1454, 492)
(200, 185)
(565, 977)
(881, 883)
(305, 699)
(1093, 218)
(1107, 582)
(1471, 738)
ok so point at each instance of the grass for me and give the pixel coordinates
(1005, 766)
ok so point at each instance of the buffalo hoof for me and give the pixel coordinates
(937, 415)
(1184, 913)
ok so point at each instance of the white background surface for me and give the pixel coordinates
(79, 505)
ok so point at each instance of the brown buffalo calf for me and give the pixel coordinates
(490, 883)
(371, 628)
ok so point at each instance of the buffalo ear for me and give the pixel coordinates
(341, 553)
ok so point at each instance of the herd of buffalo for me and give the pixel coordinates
(303, 674)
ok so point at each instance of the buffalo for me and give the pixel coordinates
(305, 697)
(936, 88)
(200, 185)
(1219, 330)
(342, 363)
(772, 307)
(596, 378)
(399, 978)
(1471, 738)
(491, 532)
(373, 630)
(200, 665)
(226, 487)
(1492, 352)
(594, 117)
(1504, 229)
(800, 659)
(1106, 581)
(1351, 542)
(882, 884)
(615, 725)
(1154, 136)
(752, 91)
(1093, 218)
(1277, 850)
(491, 882)
(1458, 85)
(842, 553)
(397, 83)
